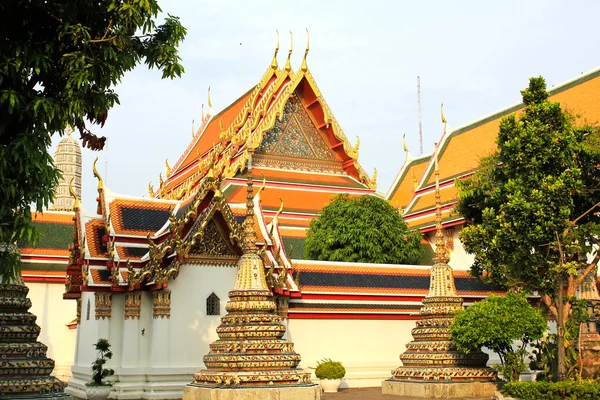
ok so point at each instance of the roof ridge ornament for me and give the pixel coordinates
(304, 66)
(211, 111)
(288, 63)
(194, 130)
(274, 64)
(76, 203)
(97, 175)
(167, 168)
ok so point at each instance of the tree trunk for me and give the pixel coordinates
(560, 335)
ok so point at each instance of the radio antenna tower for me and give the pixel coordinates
(420, 116)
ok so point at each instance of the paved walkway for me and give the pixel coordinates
(365, 394)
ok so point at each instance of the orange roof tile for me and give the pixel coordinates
(44, 251)
(402, 192)
(93, 230)
(54, 217)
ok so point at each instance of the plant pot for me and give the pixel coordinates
(330, 385)
(97, 392)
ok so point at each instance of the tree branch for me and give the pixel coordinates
(584, 214)
(548, 302)
(587, 270)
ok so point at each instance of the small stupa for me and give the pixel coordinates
(251, 360)
(24, 368)
(433, 367)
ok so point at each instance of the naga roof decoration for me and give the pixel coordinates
(462, 148)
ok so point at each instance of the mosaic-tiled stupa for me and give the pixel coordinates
(251, 351)
(24, 368)
(432, 357)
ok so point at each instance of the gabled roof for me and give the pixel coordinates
(222, 144)
(461, 150)
(46, 261)
(407, 180)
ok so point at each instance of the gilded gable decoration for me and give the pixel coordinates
(103, 304)
(161, 303)
(133, 305)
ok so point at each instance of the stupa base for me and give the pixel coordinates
(306, 392)
(439, 390)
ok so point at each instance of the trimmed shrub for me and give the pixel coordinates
(328, 369)
(571, 390)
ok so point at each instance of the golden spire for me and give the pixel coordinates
(288, 63)
(304, 66)
(249, 238)
(68, 130)
(274, 64)
(76, 203)
(168, 167)
(97, 175)
(441, 252)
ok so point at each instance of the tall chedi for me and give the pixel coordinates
(251, 360)
(433, 367)
(68, 160)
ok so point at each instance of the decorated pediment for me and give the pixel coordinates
(214, 243)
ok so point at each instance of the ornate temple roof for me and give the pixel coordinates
(300, 150)
(462, 148)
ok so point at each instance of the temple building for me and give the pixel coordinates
(152, 274)
(460, 150)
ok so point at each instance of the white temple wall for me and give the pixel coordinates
(368, 349)
(191, 329)
(53, 314)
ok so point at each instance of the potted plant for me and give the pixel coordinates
(97, 389)
(330, 374)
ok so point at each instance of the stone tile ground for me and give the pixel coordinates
(366, 394)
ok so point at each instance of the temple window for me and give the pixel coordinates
(213, 305)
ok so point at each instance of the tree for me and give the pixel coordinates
(531, 208)
(362, 229)
(505, 325)
(59, 63)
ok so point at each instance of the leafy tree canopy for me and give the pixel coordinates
(531, 208)
(59, 63)
(497, 323)
(362, 229)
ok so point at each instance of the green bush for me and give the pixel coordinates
(328, 369)
(571, 390)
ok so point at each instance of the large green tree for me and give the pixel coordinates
(60, 61)
(531, 208)
(504, 324)
(362, 229)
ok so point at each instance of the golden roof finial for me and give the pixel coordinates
(161, 182)
(441, 253)
(151, 190)
(443, 118)
(274, 64)
(68, 130)
(210, 106)
(203, 115)
(76, 203)
(194, 130)
(288, 63)
(374, 177)
(262, 187)
(304, 66)
(168, 168)
(355, 148)
(97, 175)
(276, 218)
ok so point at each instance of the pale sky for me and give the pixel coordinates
(473, 56)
